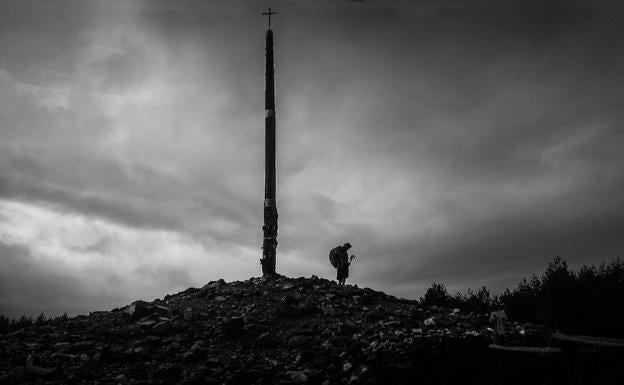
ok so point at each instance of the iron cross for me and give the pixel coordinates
(269, 15)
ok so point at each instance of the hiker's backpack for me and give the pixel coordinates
(334, 258)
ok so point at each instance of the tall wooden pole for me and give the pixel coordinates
(269, 228)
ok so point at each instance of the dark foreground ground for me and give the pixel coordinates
(289, 331)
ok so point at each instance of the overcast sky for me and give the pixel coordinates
(463, 145)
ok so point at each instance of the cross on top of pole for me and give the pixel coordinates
(269, 13)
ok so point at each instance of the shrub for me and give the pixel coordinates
(4, 324)
(479, 302)
(437, 295)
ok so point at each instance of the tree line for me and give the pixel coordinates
(588, 301)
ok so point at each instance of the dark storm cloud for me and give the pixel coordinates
(447, 142)
(51, 148)
(29, 287)
(506, 240)
(514, 121)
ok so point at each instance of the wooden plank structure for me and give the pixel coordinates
(588, 341)
(526, 349)
(574, 359)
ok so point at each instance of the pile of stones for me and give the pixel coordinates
(263, 331)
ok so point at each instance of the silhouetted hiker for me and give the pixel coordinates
(340, 260)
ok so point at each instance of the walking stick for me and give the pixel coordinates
(351, 260)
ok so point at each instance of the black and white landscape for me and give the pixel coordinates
(460, 148)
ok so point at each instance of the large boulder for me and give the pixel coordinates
(139, 309)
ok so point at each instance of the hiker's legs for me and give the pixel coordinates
(341, 275)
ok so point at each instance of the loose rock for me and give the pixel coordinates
(261, 331)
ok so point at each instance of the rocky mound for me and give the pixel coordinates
(279, 330)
